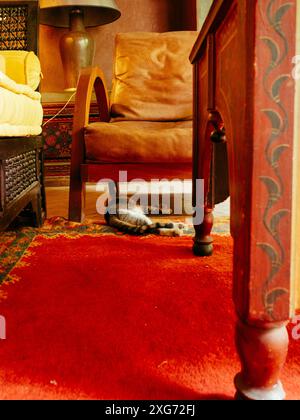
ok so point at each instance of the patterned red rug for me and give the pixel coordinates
(93, 314)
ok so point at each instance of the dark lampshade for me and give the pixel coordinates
(77, 47)
(96, 12)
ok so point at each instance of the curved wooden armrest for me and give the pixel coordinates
(91, 78)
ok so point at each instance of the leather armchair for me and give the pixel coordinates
(145, 127)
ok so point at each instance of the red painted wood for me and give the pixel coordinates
(273, 155)
(251, 90)
(263, 353)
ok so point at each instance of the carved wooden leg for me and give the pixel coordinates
(203, 242)
(263, 353)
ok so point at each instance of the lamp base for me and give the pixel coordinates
(76, 49)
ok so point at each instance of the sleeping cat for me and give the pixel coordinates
(134, 221)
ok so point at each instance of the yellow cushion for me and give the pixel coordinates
(23, 67)
(2, 64)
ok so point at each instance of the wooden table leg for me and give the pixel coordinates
(244, 56)
(203, 241)
(203, 154)
(263, 352)
(262, 281)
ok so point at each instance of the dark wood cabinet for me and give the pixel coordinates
(21, 159)
(21, 180)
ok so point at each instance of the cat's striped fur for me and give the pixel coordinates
(134, 221)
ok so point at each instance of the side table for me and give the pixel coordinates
(244, 98)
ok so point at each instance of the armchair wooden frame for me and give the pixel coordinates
(82, 171)
(90, 79)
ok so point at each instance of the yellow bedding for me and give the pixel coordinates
(22, 66)
(21, 112)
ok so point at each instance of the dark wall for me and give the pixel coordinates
(183, 15)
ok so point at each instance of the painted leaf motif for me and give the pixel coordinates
(277, 152)
(277, 86)
(273, 48)
(272, 187)
(274, 117)
(281, 12)
(273, 257)
(275, 220)
(270, 251)
(274, 295)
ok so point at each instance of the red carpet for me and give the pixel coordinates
(118, 317)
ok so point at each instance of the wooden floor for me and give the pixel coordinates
(57, 204)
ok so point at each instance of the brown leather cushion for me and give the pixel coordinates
(153, 76)
(139, 142)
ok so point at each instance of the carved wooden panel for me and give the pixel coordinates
(272, 169)
(18, 25)
(296, 184)
(13, 28)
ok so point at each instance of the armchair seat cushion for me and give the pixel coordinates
(139, 142)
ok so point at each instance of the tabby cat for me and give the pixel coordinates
(134, 221)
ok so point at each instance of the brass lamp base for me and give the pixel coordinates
(76, 49)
